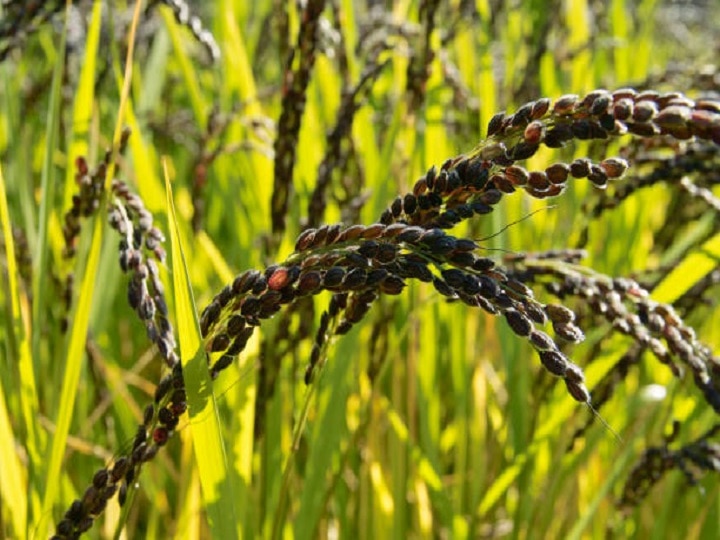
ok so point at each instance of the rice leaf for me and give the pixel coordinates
(691, 269)
(210, 454)
(13, 487)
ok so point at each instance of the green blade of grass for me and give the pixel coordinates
(73, 362)
(12, 486)
(81, 314)
(693, 268)
(326, 436)
(47, 185)
(210, 454)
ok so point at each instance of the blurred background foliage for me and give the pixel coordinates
(430, 419)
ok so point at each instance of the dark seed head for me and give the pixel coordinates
(392, 285)
(580, 168)
(148, 415)
(541, 341)
(309, 282)
(278, 278)
(495, 124)
(519, 323)
(569, 332)
(565, 104)
(559, 314)
(578, 391)
(333, 276)
(554, 361)
(119, 469)
(557, 173)
(101, 478)
(160, 436)
(219, 343)
(598, 176)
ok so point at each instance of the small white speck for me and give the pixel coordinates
(653, 392)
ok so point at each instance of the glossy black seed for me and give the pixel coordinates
(101, 478)
(442, 287)
(481, 208)
(483, 264)
(522, 150)
(462, 258)
(559, 314)
(430, 177)
(333, 276)
(140, 436)
(84, 525)
(240, 341)
(434, 199)
(355, 279)
(368, 249)
(375, 276)
(488, 287)
(541, 341)
(223, 362)
(75, 512)
(495, 124)
(453, 277)
(219, 343)
(522, 115)
(519, 323)
(244, 282)
(580, 168)
(235, 325)
(416, 270)
(554, 361)
(260, 285)
(65, 528)
(578, 391)
(119, 469)
(409, 204)
(574, 373)
(178, 396)
(396, 207)
(309, 283)
(122, 494)
(343, 327)
(536, 314)
(150, 452)
(441, 184)
(491, 197)
(439, 245)
(558, 136)
(471, 285)
(386, 253)
(410, 234)
(392, 285)
(607, 122)
(148, 415)
(598, 176)
(453, 183)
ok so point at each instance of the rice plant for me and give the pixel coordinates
(330, 268)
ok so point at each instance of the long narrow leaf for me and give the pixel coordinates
(210, 454)
(12, 486)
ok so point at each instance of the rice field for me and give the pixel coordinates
(337, 269)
